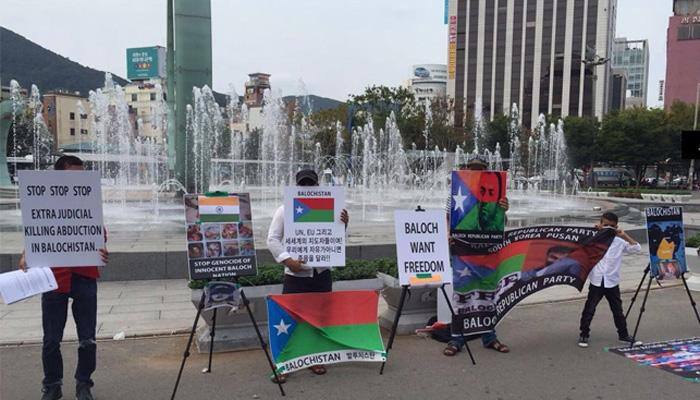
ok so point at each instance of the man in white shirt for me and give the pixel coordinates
(605, 280)
(298, 278)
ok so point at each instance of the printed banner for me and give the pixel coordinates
(666, 242)
(221, 294)
(452, 48)
(220, 241)
(680, 357)
(423, 256)
(62, 218)
(476, 219)
(309, 329)
(313, 231)
(487, 286)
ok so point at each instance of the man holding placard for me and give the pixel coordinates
(306, 237)
(62, 218)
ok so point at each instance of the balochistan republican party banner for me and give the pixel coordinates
(679, 356)
(476, 219)
(666, 242)
(308, 329)
(487, 286)
(220, 241)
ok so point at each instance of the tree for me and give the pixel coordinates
(581, 135)
(324, 125)
(498, 131)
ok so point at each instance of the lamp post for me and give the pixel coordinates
(695, 128)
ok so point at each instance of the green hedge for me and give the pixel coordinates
(693, 241)
(271, 274)
(640, 190)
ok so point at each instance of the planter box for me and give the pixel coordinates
(234, 331)
(420, 305)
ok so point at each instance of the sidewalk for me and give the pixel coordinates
(163, 307)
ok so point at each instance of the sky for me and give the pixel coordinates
(330, 48)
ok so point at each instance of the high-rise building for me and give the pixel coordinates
(683, 53)
(428, 81)
(633, 57)
(547, 56)
(618, 89)
(147, 103)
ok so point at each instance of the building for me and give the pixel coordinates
(633, 57)
(147, 103)
(618, 89)
(67, 117)
(683, 53)
(428, 81)
(255, 89)
(547, 56)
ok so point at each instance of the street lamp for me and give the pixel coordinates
(695, 128)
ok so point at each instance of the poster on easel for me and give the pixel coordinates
(422, 252)
(666, 242)
(220, 242)
(477, 221)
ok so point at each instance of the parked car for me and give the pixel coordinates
(613, 177)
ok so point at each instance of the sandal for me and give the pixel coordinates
(318, 369)
(279, 379)
(450, 350)
(498, 346)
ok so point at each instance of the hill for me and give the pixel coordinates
(313, 103)
(28, 63)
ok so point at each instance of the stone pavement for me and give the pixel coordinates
(163, 307)
(544, 364)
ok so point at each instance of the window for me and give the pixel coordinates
(684, 32)
(72, 116)
(134, 97)
(83, 132)
(153, 97)
(83, 116)
(696, 31)
(165, 96)
(72, 131)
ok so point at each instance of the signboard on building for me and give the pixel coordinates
(144, 63)
(452, 49)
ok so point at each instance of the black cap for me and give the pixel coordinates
(477, 160)
(307, 177)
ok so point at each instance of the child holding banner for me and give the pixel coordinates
(605, 280)
(299, 278)
(79, 284)
(490, 339)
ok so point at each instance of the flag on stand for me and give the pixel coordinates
(219, 209)
(309, 329)
(319, 209)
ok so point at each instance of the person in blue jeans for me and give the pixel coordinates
(490, 339)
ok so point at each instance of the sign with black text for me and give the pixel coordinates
(62, 218)
(422, 251)
(666, 242)
(220, 241)
(313, 231)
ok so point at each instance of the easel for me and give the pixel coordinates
(404, 290)
(647, 271)
(263, 345)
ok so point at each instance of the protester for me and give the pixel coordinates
(299, 278)
(79, 284)
(490, 339)
(605, 279)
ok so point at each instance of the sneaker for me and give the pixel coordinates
(82, 391)
(630, 340)
(52, 392)
(583, 341)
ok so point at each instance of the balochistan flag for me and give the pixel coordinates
(219, 209)
(318, 209)
(309, 329)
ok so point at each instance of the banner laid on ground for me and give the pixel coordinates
(666, 242)
(62, 218)
(309, 329)
(313, 231)
(680, 357)
(220, 241)
(476, 219)
(487, 286)
(422, 252)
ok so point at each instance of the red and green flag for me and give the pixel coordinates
(313, 209)
(309, 329)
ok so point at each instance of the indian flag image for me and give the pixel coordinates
(219, 209)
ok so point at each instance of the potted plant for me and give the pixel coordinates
(419, 306)
(234, 330)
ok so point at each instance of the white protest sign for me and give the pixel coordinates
(62, 218)
(313, 231)
(422, 251)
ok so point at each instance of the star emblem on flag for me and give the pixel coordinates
(459, 200)
(282, 327)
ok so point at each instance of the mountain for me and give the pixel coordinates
(312, 102)
(28, 63)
